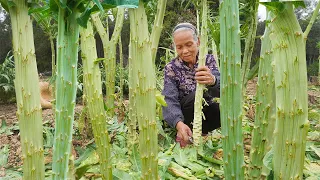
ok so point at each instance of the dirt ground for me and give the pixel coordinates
(8, 113)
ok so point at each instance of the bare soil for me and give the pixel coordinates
(8, 113)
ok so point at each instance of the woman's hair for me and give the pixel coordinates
(186, 26)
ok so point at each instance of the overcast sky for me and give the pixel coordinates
(262, 12)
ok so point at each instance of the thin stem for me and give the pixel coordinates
(313, 18)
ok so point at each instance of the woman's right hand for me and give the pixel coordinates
(183, 134)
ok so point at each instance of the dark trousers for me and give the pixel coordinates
(211, 112)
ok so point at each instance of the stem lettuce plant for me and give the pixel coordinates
(230, 93)
(29, 111)
(197, 122)
(94, 99)
(142, 88)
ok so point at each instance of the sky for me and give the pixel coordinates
(261, 12)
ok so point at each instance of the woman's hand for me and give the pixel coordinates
(204, 76)
(183, 134)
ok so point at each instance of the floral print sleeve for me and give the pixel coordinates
(172, 113)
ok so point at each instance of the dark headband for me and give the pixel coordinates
(185, 25)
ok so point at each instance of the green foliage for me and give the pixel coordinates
(313, 69)
(125, 77)
(7, 76)
(103, 75)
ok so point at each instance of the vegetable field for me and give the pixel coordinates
(98, 113)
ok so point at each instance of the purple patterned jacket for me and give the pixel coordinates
(179, 82)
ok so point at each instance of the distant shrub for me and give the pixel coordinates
(313, 69)
(7, 76)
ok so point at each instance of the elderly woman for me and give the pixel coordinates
(180, 78)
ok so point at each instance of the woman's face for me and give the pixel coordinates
(186, 47)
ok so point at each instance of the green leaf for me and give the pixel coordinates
(4, 128)
(270, 176)
(90, 149)
(160, 98)
(49, 137)
(84, 17)
(95, 9)
(38, 9)
(118, 174)
(11, 4)
(53, 6)
(299, 4)
(63, 3)
(180, 156)
(123, 3)
(12, 175)
(4, 153)
(93, 159)
(267, 160)
(99, 59)
(5, 76)
(135, 159)
(4, 4)
(274, 6)
(316, 150)
(97, 2)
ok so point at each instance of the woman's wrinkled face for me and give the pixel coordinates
(186, 46)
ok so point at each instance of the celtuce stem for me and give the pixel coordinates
(157, 28)
(265, 108)
(142, 89)
(94, 98)
(250, 41)
(145, 92)
(29, 112)
(197, 122)
(231, 94)
(66, 87)
(291, 95)
(109, 48)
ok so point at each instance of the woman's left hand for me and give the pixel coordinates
(204, 76)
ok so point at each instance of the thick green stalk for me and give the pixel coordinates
(132, 121)
(144, 87)
(291, 95)
(134, 62)
(66, 87)
(109, 47)
(157, 28)
(197, 120)
(265, 109)
(94, 98)
(27, 89)
(231, 90)
(121, 69)
(250, 40)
